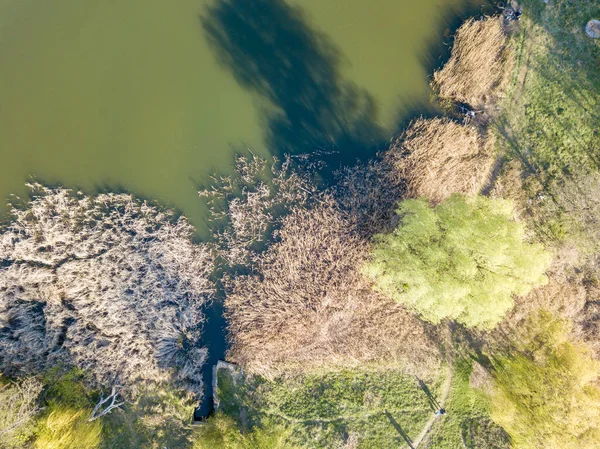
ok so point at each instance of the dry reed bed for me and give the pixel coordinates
(309, 306)
(479, 65)
(305, 303)
(439, 157)
(109, 284)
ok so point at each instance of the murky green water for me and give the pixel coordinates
(153, 95)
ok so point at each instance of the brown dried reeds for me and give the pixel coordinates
(309, 305)
(109, 284)
(478, 66)
(438, 157)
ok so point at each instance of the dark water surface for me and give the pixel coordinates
(152, 96)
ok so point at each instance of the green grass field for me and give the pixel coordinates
(467, 423)
(379, 408)
(551, 116)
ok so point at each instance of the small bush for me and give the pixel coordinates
(308, 304)
(158, 417)
(223, 432)
(19, 405)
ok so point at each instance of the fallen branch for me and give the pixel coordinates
(99, 411)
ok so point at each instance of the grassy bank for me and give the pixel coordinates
(551, 117)
(358, 408)
(468, 422)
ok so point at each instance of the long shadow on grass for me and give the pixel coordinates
(399, 429)
(433, 403)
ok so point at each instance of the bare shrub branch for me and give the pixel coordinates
(103, 407)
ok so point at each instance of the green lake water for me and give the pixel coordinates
(152, 96)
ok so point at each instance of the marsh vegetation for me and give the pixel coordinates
(455, 269)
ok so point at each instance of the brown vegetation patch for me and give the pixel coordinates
(439, 157)
(309, 305)
(479, 64)
(589, 322)
(559, 297)
(109, 284)
(368, 193)
(480, 378)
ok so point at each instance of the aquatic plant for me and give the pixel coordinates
(307, 304)
(439, 157)
(479, 66)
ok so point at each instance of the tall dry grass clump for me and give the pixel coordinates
(478, 66)
(438, 157)
(19, 404)
(246, 207)
(308, 304)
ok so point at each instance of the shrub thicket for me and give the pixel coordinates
(546, 393)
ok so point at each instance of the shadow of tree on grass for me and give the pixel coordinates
(400, 430)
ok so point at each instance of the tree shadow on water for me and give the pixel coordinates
(271, 51)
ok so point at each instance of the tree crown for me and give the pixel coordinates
(463, 260)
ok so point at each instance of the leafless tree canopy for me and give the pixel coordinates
(107, 283)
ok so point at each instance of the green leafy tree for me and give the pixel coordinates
(546, 393)
(463, 260)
